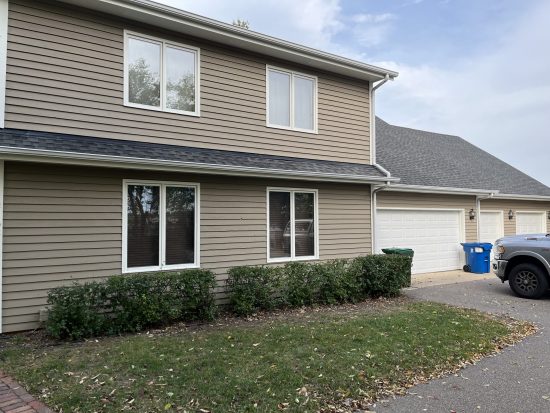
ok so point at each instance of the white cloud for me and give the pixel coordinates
(499, 101)
(309, 22)
(371, 30)
(372, 18)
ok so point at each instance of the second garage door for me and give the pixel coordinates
(530, 222)
(434, 235)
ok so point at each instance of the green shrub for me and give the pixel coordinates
(76, 312)
(300, 284)
(253, 288)
(339, 282)
(384, 275)
(127, 303)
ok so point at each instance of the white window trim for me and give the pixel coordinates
(163, 44)
(292, 75)
(162, 234)
(292, 227)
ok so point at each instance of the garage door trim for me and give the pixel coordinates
(542, 217)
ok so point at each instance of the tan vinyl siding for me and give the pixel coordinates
(65, 74)
(432, 201)
(64, 224)
(505, 205)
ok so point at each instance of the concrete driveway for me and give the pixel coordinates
(514, 381)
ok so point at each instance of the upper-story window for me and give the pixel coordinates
(160, 75)
(291, 100)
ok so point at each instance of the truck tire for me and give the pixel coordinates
(528, 281)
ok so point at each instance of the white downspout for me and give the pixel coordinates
(373, 119)
(375, 189)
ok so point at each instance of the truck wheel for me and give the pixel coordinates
(528, 281)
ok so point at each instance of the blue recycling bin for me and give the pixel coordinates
(478, 257)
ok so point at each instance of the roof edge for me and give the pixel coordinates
(72, 158)
(496, 194)
(157, 14)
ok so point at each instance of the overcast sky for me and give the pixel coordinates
(478, 69)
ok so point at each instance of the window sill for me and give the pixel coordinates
(289, 259)
(310, 131)
(155, 109)
(157, 269)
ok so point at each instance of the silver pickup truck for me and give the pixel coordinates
(524, 261)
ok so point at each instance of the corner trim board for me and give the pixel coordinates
(3, 58)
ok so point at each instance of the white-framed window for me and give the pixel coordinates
(292, 224)
(161, 226)
(161, 75)
(291, 100)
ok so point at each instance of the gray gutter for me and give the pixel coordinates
(112, 161)
(439, 190)
(494, 193)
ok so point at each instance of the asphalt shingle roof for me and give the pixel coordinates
(433, 159)
(22, 139)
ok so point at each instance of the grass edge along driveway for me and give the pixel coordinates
(327, 359)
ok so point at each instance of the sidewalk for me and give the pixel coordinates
(15, 399)
(447, 277)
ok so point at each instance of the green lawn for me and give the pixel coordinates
(297, 362)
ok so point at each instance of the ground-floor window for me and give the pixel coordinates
(161, 226)
(292, 224)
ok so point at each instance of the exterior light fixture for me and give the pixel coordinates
(510, 214)
(472, 214)
(548, 214)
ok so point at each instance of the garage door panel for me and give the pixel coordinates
(530, 222)
(491, 225)
(434, 235)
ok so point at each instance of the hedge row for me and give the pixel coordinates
(130, 303)
(300, 284)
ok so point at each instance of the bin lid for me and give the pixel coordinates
(487, 246)
(399, 251)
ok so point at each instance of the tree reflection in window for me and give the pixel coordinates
(304, 224)
(180, 225)
(143, 84)
(143, 226)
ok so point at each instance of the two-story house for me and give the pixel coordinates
(138, 137)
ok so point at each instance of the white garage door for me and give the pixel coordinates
(491, 225)
(434, 235)
(530, 222)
